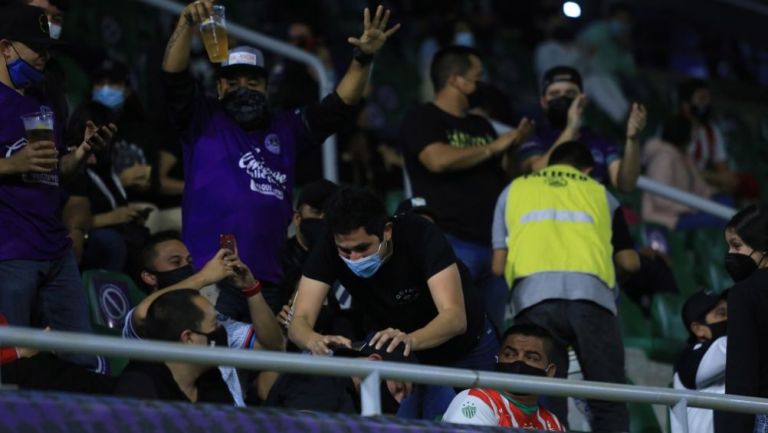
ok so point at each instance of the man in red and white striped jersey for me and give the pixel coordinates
(526, 350)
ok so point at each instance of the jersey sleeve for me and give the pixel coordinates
(437, 252)
(466, 409)
(320, 264)
(240, 335)
(712, 366)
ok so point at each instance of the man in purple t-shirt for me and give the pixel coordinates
(39, 280)
(238, 156)
(563, 101)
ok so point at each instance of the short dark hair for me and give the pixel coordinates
(149, 249)
(533, 330)
(751, 224)
(677, 131)
(687, 88)
(351, 208)
(171, 314)
(448, 61)
(574, 153)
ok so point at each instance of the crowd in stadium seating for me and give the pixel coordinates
(510, 253)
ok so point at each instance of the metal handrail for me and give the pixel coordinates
(654, 187)
(373, 371)
(330, 169)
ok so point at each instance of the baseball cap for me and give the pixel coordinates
(416, 205)
(243, 60)
(25, 24)
(561, 74)
(316, 193)
(699, 304)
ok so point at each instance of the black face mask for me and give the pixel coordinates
(701, 113)
(557, 111)
(520, 367)
(719, 329)
(169, 278)
(311, 230)
(739, 266)
(249, 108)
(217, 337)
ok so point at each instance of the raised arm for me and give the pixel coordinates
(176, 58)
(375, 34)
(624, 175)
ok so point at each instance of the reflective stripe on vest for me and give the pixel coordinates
(558, 220)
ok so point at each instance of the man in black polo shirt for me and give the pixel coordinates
(404, 275)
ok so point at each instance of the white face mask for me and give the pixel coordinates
(54, 30)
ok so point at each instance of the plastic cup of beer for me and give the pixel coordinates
(38, 126)
(213, 30)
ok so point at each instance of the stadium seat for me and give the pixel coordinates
(111, 295)
(669, 334)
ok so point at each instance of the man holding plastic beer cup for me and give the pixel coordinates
(239, 155)
(39, 280)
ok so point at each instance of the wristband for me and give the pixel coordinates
(361, 57)
(252, 291)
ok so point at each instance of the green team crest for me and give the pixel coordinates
(469, 410)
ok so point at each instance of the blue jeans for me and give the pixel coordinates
(477, 259)
(46, 293)
(431, 401)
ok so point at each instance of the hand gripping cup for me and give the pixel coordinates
(214, 33)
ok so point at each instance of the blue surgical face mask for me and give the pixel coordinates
(367, 266)
(23, 75)
(111, 96)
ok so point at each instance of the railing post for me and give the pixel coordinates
(679, 415)
(370, 397)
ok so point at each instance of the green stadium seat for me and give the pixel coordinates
(111, 295)
(669, 334)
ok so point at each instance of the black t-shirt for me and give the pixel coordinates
(154, 381)
(464, 200)
(397, 295)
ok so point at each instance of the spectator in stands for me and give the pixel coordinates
(168, 267)
(707, 145)
(607, 45)
(525, 349)
(118, 231)
(455, 161)
(309, 220)
(701, 366)
(563, 101)
(552, 236)
(253, 150)
(404, 275)
(187, 317)
(34, 242)
(667, 161)
(746, 360)
(310, 227)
